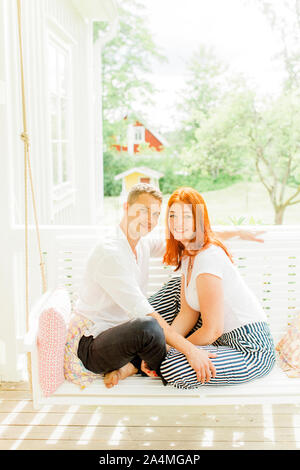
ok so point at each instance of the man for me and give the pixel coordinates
(128, 331)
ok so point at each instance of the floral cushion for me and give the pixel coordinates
(74, 370)
(289, 349)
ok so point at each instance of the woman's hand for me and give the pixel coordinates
(199, 360)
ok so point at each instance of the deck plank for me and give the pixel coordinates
(103, 418)
(144, 446)
(57, 427)
(137, 433)
(218, 410)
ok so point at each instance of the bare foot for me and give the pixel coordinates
(112, 378)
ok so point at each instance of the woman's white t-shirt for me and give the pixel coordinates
(241, 306)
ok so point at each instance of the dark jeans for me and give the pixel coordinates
(133, 341)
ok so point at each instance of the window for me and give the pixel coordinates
(139, 134)
(144, 180)
(59, 80)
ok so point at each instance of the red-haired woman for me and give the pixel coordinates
(232, 323)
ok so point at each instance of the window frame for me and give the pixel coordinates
(141, 130)
(62, 193)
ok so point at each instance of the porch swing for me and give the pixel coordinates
(256, 263)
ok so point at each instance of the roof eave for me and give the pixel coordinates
(150, 172)
(97, 10)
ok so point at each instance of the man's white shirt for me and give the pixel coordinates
(114, 287)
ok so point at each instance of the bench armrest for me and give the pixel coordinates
(29, 339)
(28, 342)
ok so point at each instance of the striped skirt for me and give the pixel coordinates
(244, 354)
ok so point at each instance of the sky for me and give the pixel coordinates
(239, 34)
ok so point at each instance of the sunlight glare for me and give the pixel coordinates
(89, 429)
(62, 425)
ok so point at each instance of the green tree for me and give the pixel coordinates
(212, 107)
(284, 19)
(220, 146)
(126, 82)
(126, 68)
(274, 134)
(274, 140)
(207, 81)
(246, 137)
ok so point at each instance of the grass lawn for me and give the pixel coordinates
(248, 201)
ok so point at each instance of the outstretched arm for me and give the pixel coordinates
(242, 234)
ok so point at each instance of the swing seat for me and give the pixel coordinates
(272, 271)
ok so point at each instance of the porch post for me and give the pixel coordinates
(98, 131)
(8, 339)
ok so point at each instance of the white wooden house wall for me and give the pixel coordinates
(81, 201)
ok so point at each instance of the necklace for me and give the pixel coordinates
(190, 266)
(189, 273)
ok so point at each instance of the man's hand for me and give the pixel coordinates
(242, 234)
(251, 236)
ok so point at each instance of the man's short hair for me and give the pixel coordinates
(141, 188)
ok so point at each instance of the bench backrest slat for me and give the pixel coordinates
(271, 270)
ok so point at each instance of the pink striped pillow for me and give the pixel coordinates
(51, 340)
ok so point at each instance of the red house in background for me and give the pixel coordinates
(137, 134)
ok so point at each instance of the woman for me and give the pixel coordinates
(232, 323)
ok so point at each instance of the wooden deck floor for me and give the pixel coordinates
(267, 427)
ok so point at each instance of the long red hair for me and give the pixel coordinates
(175, 250)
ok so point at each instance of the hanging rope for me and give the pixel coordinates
(27, 171)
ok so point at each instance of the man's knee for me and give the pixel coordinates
(150, 327)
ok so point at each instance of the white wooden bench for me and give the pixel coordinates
(271, 269)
